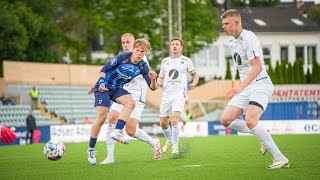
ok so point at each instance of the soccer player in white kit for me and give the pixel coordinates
(137, 88)
(173, 75)
(252, 94)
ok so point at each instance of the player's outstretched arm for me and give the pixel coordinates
(7, 135)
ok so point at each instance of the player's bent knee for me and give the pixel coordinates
(225, 121)
(130, 104)
(131, 132)
(251, 124)
(113, 120)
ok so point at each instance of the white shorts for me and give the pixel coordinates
(257, 93)
(136, 113)
(170, 105)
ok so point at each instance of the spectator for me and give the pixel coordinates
(34, 93)
(7, 101)
(31, 127)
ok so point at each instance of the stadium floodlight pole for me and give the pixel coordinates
(179, 19)
(170, 18)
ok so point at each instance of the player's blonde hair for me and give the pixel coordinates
(127, 34)
(142, 42)
(231, 13)
(178, 39)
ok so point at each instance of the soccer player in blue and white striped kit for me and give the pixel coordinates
(117, 72)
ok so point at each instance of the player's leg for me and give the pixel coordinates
(175, 131)
(113, 118)
(177, 107)
(234, 109)
(257, 104)
(252, 117)
(102, 102)
(165, 110)
(133, 131)
(128, 106)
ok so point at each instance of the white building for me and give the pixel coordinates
(284, 33)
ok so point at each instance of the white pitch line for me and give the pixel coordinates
(192, 165)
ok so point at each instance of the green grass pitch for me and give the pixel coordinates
(213, 157)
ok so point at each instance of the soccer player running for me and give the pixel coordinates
(116, 73)
(173, 75)
(252, 94)
(137, 88)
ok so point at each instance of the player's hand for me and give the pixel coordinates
(102, 85)
(91, 90)
(102, 88)
(7, 135)
(152, 75)
(192, 86)
(234, 91)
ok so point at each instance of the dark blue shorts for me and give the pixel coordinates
(103, 98)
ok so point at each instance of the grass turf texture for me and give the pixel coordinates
(213, 157)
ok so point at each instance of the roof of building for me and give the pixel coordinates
(283, 18)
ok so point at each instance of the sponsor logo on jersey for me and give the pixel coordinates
(124, 76)
(237, 58)
(173, 74)
(113, 62)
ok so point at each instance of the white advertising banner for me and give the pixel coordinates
(291, 126)
(191, 129)
(75, 133)
(303, 92)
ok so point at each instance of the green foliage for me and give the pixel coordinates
(284, 72)
(228, 71)
(315, 76)
(43, 31)
(278, 79)
(271, 73)
(237, 75)
(149, 19)
(290, 74)
(314, 13)
(308, 76)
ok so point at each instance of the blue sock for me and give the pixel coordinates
(120, 124)
(92, 142)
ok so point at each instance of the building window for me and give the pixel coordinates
(284, 53)
(311, 54)
(207, 57)
(299, 53)
(213, 56)
(266, 55)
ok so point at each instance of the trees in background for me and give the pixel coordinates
(44, 31)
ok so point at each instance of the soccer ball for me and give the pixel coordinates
(54, 150)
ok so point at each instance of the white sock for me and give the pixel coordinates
(143, 136)
(240, 125)
(167, 133)
(175, 136)
(264, 136)
(109, 141)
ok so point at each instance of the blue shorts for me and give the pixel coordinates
(103, 98)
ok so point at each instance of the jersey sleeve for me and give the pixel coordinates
(113, 63)
(253, 46)
(145, 74)
(161, 73)
(191, 68)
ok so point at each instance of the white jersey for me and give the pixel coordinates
(138, 86)
(175, 73)
(244, 49)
